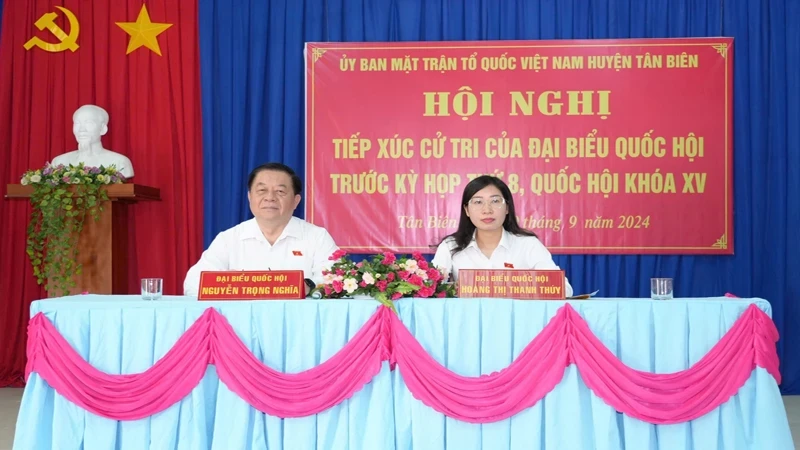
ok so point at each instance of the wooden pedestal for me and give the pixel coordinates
(102, 245)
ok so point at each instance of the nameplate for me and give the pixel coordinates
(512, 283)
(252, 285)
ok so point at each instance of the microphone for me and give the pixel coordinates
(311, 285)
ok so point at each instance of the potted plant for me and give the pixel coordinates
(61, 198)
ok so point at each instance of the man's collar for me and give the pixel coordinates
(252, 231)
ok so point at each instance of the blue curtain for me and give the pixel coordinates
(253, 107)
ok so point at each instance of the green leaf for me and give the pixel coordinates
(404, 287)
(386, 301)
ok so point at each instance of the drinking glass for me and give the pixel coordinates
(152, 288)
(661, 288)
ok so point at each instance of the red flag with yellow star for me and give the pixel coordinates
(139, 62)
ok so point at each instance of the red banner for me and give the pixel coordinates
(510, 283)
(252, 285)
(609, 146)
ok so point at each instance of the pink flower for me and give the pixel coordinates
(338, 286)
(434, 274)
(328, 290)
(441, 294)
(340, 272)
(417, 256)
(403, 275)
(390, 276)
(338, 254)
(363, 284)
(353, 272)
(359, 264)
(425, 292)
(396, 295)
(423, 265)
(382, 285)
(388, 258)
(326, 272)
(416, 280)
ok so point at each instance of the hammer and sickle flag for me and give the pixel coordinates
(66, 41)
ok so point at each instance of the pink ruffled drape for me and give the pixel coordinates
(567, 339)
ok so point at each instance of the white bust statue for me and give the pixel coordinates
(89, 123)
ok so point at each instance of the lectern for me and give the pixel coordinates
(103, 243)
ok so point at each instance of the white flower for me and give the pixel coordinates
(368, 278)
(411, 265)
(328, 279)
(422, 274)
(36, 178)
(350, 285)
(25, 181)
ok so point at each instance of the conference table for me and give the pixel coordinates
(436, 374)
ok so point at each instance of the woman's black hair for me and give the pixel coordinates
(463, 235)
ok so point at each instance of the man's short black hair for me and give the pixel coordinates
(297, 185)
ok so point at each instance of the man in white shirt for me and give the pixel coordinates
(274, 239)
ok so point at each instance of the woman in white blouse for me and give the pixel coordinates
(488, 235)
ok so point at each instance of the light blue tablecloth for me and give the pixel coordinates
(123, 334)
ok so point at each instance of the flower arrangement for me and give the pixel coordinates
(62, 195)
(385, 277)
